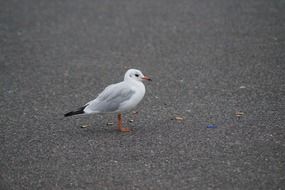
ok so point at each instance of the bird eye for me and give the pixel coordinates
(137, 75)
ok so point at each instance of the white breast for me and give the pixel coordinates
(139, 89)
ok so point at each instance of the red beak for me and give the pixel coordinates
(146, 78)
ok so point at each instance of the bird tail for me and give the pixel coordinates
(79, 111)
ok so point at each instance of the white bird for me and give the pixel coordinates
(118, 98)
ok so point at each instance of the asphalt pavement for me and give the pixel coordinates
(215, 63)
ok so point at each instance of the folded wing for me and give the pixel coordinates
(110, 99)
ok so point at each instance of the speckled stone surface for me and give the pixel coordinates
(208, 61)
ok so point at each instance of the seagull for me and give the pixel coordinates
(117, 98)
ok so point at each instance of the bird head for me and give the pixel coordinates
(135, 74)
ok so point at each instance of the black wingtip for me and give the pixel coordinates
(69, 114)
(79, 111)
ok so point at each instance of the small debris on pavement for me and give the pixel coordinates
(110, 123)
(242, 87)
(239, 114)
(211, 126)
(131, 120)
(135, 112)
(179, 119)
(84, 126)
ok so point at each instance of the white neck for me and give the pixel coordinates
(129, 79)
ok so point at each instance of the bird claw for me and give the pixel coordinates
(124, 129)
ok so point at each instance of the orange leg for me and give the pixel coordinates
(120, 124)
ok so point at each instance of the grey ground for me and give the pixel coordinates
(57, 55)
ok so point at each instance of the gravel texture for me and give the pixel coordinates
(208, 61)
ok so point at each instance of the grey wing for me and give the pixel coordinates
(110, 99)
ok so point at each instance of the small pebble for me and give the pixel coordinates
(179, 119)
(84, 126)
(110, 123)
(239, 114)
(131, 120)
